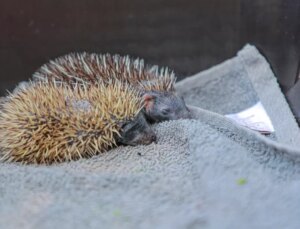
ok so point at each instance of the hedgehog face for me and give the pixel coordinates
(163, 106)
(136, 132)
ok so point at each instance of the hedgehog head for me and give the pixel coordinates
(163, 106)
(52, 122)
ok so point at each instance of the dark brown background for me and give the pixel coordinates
(188, 36)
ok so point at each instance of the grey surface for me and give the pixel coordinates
(190, 179)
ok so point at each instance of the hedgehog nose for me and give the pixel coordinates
(153, 138)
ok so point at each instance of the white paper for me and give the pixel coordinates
(255, 118)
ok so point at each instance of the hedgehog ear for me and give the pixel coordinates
(148, 101)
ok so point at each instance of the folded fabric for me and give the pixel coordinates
(238, 84)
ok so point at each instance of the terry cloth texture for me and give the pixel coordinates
(204, 173)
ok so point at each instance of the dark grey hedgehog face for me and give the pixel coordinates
(163, 106)
(137, 132)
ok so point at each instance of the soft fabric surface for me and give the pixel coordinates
(204, 173)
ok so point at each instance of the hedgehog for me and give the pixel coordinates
(156, 85)
(46, 123)
(3, 99)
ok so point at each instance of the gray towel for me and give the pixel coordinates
(239, 83)
(205, 173)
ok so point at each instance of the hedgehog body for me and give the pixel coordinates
(156, 85)
(54, 122)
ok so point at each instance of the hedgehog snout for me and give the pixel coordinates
(152, 138)
(186, 114)
(149, 137)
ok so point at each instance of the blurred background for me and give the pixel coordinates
(187, 36)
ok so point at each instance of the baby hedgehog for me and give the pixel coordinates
(155, 85)
(54, 122)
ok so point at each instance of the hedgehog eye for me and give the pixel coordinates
(123, 126)
(165, 111)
